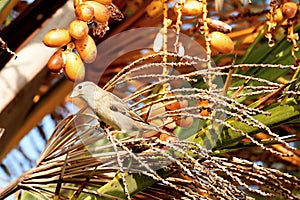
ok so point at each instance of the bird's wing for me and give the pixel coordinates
(120, 106)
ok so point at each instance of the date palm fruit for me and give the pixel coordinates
(84, 12)
(204, 103)
(155, 8)
(74, 68)
(192, 8)
(57, 38)
(165, 137)
(101, 12)
(86, 48)
(57, 61)
(78, 29)
(185, 121)
(175, 104)
(221, 42)
(289, 9)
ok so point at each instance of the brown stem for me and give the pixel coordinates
(11, 188)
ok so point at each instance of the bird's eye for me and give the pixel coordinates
(80, 87)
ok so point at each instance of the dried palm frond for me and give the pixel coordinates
(74, 161)
(84, 157)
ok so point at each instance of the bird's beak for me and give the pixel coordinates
(74, 94)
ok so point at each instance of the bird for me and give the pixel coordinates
(110, 109)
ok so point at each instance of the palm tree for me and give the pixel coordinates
(217, 119)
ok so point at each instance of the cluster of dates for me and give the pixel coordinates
(286, 11)
(77, 46)
(219, 41)
(177, 109)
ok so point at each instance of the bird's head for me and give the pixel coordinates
(84, 90)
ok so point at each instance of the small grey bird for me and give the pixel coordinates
(111, 109)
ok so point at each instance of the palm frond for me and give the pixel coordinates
(84, 157)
